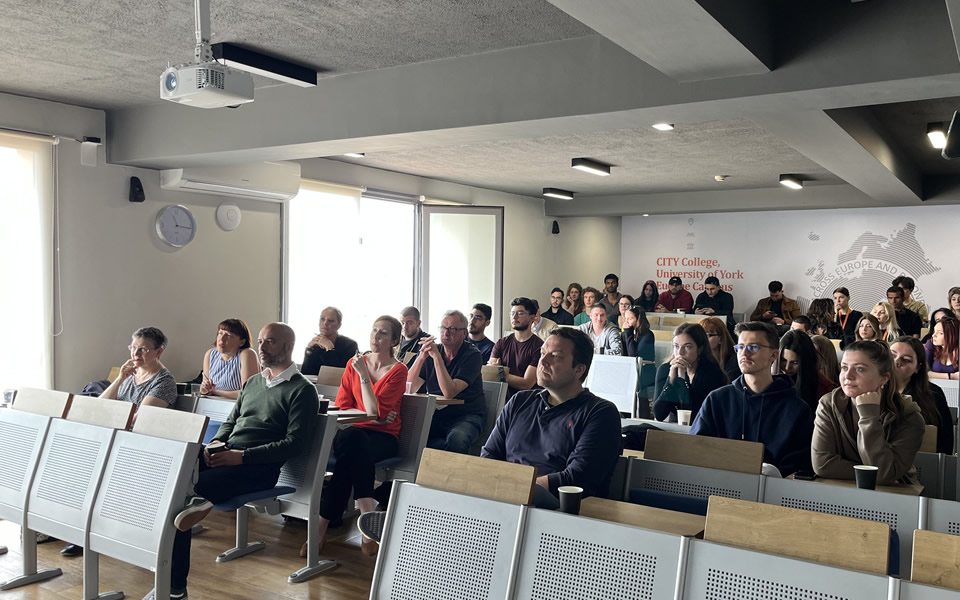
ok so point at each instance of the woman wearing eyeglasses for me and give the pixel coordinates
(685, 381)
(866, 420)
(624, 305)
(143, 379)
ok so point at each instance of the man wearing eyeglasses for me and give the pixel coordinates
(452, 370)
(759, 406)
(556, 313)
(520, 350)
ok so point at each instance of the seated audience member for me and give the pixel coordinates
(953, 301)
(604, 334)
(935, 317)
(230, 363)
(760, 406)
(713, 300)
(624, 304)
(798, 361)
(912, 381)
(540, 325)
(685, 381)
(909, 302)
(868, 328)
(847, 318)
(821, 317)
(866, 420)
(590, 296)
(328, 348)
(556, 312)
(802, 324)
(637, 339)
(675, 298)
(412, 334)
(942, 350)
(907, 320)
(721, 345)
(573, 302)
(479, 320)
(571, 436)
(375, 383)
(647, 300)
(520, 350)
(271, 422)
(451, 370)
(827, 362)
(887, 318)
(611, 297)
(143, 379)
(776, 308)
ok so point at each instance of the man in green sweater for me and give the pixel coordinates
(272, 421)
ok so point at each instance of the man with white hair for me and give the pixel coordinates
(451, 369)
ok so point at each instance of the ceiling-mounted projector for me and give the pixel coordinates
(206, 85)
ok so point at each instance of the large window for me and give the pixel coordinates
(26, 215)
(351, 252)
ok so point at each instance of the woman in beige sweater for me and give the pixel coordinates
(866, 421)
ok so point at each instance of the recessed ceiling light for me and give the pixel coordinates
(937, 132)
(720, 177)
(646, 214)
(663, 126)
(557, 193)
(590, 166)
(355, 154)
(791, 181)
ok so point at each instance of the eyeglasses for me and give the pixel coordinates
(139, 350)
(752, 348)
(451, 329)
(519, 313)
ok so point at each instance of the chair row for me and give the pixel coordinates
(443, 544)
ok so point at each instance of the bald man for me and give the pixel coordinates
(271, 422)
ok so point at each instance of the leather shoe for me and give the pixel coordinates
(72, 550)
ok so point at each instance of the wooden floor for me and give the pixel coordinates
(262, 575)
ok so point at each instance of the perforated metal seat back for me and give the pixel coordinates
(21, 438)
(145, 483)
(217, 410)
(416, 414)
(697, 482)
(494, 396)
(444, 546)
(928, 473)
(564, 556)
(718, 572)
(943, 516)
(301, 472)
(919, 591)
(71, 465)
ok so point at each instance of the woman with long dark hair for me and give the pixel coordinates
(685, 381)
(827, 362)
(942, 349)
(910, 363)
(822, 318)
(798, 360)
(721, 344)
(647, 300)
(573, 303)
(866, 421)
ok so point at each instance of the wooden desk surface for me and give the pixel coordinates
(657, 519)
(440, 400)
(348, 417)
(914, 489)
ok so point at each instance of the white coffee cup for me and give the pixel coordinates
(680, 311)
(409, 387)
(684, 416)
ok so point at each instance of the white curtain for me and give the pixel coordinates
(26, 260)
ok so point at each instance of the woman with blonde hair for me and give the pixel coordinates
(721, 344)
(887, 317)
(868, 328)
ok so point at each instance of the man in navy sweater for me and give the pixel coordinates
(758, 406)
(571, 436)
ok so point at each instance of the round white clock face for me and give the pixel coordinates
(176, 225)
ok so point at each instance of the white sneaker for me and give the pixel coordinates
(152, 595)
(195, 509)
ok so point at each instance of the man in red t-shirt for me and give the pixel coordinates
(676, 298)
(520, 350)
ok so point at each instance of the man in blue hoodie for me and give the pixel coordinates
(759, 406)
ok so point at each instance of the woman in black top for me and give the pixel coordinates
(847, 318)
(721, 344)
(685, 381)
(647, 300)
(910, 362)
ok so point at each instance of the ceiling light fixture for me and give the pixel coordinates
(646, 214)
(791, 181)
(590, 166)
(557, 193)
(720, 177)
(663, 126)
(355, 154)
(937, 132)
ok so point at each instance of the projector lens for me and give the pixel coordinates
(170, 82)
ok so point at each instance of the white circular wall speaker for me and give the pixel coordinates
(228, 216)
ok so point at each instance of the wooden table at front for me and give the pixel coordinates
(440, 400)
(351, 417)
(657, 519)
(912, 489)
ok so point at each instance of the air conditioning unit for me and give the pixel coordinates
(275, 181)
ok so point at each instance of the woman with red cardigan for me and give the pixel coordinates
(375, 383)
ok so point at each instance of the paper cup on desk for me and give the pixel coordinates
(866, 476)
(684, 416)
(409, 387)
(680, 311)
(570, 496)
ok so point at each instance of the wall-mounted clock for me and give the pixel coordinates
(176, 225)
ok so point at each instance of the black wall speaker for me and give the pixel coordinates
(136, 190)
(556, 228)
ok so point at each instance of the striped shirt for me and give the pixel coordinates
(225, 374)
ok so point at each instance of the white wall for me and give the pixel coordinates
(116, 275)
(585, 250)
(811, 252)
